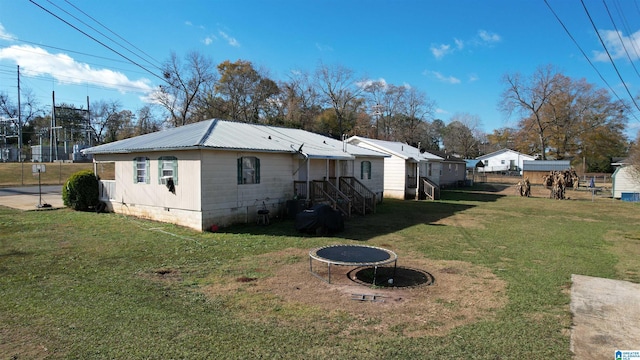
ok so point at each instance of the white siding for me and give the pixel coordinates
(153, 200)
(376, 183)
(625, 181)
(394, 177)
(501, 161)
(225, 201)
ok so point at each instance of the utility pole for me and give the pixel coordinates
(19, 121)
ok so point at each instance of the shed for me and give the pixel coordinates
(535, 170)
(625, 183)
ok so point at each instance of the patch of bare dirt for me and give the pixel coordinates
(455, 293)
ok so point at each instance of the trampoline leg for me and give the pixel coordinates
(329, 265)
(375, 272)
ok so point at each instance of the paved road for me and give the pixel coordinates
(30, 198)
(31, 190)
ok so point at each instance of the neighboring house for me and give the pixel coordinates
(406, 169)
(504, 160)
(453, 169)
(536, 170)
(625, 182)
(219, 172)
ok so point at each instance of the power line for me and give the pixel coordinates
(609, 55)
(588, 60)
(98, 41)
(94, 29)
(620, 38)
(120, 37)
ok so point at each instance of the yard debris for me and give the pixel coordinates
(368, 297)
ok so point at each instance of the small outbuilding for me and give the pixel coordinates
(536, 170)
(626, 182)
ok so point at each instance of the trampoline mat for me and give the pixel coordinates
(353, 254)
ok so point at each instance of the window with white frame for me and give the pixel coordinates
(167, 169)
(248, 170)
(365, 170)
(141, 170)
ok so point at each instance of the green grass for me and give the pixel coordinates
(85, 286)
(18, 174)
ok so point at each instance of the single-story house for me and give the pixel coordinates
(504, 160)
(625, 181)
(407, 171)
(218, 172)
(536, 170)
(453, 169)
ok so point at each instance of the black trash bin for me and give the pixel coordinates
(320, 219)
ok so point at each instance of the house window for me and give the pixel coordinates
(365, 170)
(502, 162)
(167, 169)
(450, 167)
(486, 163)
(248, 170)
(141, 170)
(429, 169)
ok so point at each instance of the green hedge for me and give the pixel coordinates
(80, 192)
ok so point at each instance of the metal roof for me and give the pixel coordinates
(546, 165)
(229, 135)
(502, 151)
(397, 148)
(473, 163)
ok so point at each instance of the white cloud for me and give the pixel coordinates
(489, 37)
(37, 61)
(483, 38)
(209, 40)
(459, 44)
(323, 47)
(441, 50)
(5, 35)
(443, 78)
(473, 77)
(441, 111)
(188, 23)
(616, 47)
(230, 40)
(366, 83)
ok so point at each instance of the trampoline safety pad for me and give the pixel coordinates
(351, 255)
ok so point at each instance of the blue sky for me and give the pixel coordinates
(454, 51)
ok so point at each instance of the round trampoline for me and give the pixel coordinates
(351, 255)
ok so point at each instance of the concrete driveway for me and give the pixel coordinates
(32, 197)
(606, 317)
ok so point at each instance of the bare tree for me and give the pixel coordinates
(528, 97)
(338, 87)
(102, 113)
(633, 159)
(186, 82)
(299, 101)
(461, 135)
(146, 121)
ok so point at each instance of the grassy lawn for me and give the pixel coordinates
(18, 174)
(103, 286)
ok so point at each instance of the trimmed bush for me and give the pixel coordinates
(80, 192)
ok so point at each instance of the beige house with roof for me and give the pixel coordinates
(220, 172)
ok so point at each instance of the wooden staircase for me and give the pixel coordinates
(428, 190)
